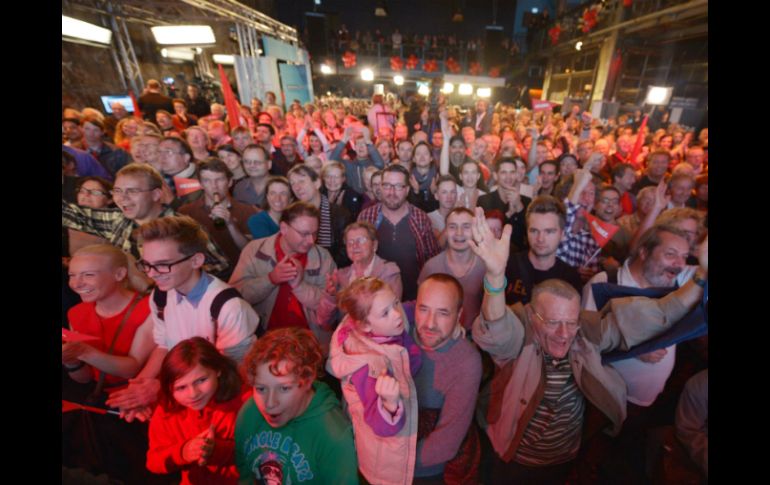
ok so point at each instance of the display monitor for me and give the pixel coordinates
(122, 99)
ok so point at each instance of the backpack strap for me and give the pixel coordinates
(612, 276)
(216, 306)
(159, 298)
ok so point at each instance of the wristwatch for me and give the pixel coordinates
(698, 281)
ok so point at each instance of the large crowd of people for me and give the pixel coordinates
(381, 291)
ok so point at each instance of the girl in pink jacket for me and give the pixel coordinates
(375, 359)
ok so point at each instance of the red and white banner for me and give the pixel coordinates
(186, 186)
(601, 231)
(541, 105)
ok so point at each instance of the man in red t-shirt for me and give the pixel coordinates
(111, 331)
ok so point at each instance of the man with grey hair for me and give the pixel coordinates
(548, 362)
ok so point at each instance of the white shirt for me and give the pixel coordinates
(645, 380)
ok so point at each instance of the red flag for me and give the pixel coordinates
(137, 111)
(233, 109)
(67, 406)
(70, 336)
(186, 186)
(639, 141)
(600, 230)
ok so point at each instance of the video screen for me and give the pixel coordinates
(122, 99)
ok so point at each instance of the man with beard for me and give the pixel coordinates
(459, 261)
(403, 230)
(546, 218)
(658, 262)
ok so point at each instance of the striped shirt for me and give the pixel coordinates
(553, 434)
(116, 228)
(325, 224)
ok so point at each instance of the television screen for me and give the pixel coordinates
(124, 100)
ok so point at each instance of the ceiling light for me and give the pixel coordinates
(484, 92)
(183, 34)
(448, 88)
(398, 80)
(658, 95)
(579, 45)
(465, 89)
(224, 59)
(325, 69)
(367, 74)
(423, 90)
(83, 30)
(182, 54)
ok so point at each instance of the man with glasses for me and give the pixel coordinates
(256, 164)
(173, 254)
(548, 362)
(607, 209)
(137, 192)
(404, 232)
(284, 276)
(176, 161)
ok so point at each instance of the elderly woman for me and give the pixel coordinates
(361, 245)
(337, 191)
(198, 139)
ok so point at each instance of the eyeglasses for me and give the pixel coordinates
(162, 268)
(168, 151)
(605, 200)
(358, 240)
(387, 186)
(303, 234)
(128, 192)
(554, 324)
(96, 192)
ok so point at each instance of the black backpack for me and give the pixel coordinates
(159, 298)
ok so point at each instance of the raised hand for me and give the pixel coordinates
(494, 252)
(331, 283)
(653, 357)
(387, 388)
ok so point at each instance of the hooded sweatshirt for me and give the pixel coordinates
(313, 448)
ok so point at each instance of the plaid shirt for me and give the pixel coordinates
(112, 225)
(577, 247)
(419, 224)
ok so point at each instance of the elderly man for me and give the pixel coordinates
(111, 121)
(547, 355)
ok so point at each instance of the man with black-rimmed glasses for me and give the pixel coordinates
(138, 193)
(186, 302)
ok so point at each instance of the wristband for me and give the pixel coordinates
(494, 291)
(79, 366)
(698, 281)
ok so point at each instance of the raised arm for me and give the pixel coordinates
(444, 158)
(661, 201)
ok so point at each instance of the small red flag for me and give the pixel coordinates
(601, 231)
(67, 406)
(639, 141)
(231, 104)
(137, 111)
(186, 186)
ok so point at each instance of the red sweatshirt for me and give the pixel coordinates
(170, 431)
